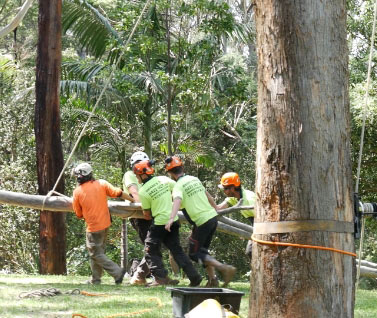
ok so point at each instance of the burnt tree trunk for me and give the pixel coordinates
(47, 133)
(303, 159)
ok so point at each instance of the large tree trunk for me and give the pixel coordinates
(47, 133)
(303, 160)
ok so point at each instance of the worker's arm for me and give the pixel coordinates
(174, 210)
(125, 196)
(223, 205)
(133, 190)
(76, 206)
(147, 214)
(211, 200)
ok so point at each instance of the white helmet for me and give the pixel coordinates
(83, 169)
(138, 156)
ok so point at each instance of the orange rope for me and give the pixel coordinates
(85, 293)
(129, 314)
(302, 246)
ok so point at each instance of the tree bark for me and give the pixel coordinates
(47, 132)
(303, 159)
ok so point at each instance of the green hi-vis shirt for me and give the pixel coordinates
(129, 179)
(248, 198)
(155, 195)
(194, 199)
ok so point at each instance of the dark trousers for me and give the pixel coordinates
(157, 235)
(142, 226)
(200, 240)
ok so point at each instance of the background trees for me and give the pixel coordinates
(213, 101)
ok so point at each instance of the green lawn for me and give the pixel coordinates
(113, 300)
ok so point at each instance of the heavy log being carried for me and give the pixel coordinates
(119, 208)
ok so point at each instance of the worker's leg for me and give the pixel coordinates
(202, 237)
(153, 256)
(96, 243)
(141, 226)
(171, 241)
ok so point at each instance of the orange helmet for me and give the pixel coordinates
(172, 162)
(143, 167)
(228, 179)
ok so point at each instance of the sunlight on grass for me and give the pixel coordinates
(111, 300)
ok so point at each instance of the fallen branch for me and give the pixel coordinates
(17, 19)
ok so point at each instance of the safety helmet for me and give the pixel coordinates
(229, 179)
(138, 156)
(83, 169)
(172, 162)
(142, 167)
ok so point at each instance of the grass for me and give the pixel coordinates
(111, 300)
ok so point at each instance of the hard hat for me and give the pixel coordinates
(142, 167)
(172, 162)
(138, 156)
(229, 179)
(83, 169)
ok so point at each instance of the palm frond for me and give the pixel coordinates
(81, 70)
(91, 28)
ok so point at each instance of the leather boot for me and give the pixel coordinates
(138, 279)
(158, 281)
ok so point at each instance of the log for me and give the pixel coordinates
(239, 225)
(64, 204)
(118, 208)
(367, 264)
(368, 272)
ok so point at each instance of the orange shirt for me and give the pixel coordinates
(90, 203)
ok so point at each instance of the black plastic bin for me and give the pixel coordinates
(186, 298)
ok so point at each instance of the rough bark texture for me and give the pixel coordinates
(303, 160)
(47, 132)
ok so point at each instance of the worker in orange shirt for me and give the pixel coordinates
(90, 203)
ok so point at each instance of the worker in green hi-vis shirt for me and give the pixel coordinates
(156, 202)
(131, 186)
(231, 185)
(200, 210)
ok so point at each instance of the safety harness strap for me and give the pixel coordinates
(303, 226)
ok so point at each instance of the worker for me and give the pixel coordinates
(156, 202)
(231, 185)
(90, 203)
(200, 209)
(141, 226)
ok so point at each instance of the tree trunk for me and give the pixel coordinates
(148, 126)
(47, 132)
(303, 159)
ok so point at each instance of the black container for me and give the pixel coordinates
(186, 298)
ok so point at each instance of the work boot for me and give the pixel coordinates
(137, 279)
(227, 273)
(212, 282)
(120, 279)
(195, 282)
(163, 281)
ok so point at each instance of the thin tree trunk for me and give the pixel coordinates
(169, 97)
(47, 132)
(303, 159)
(148, 126)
